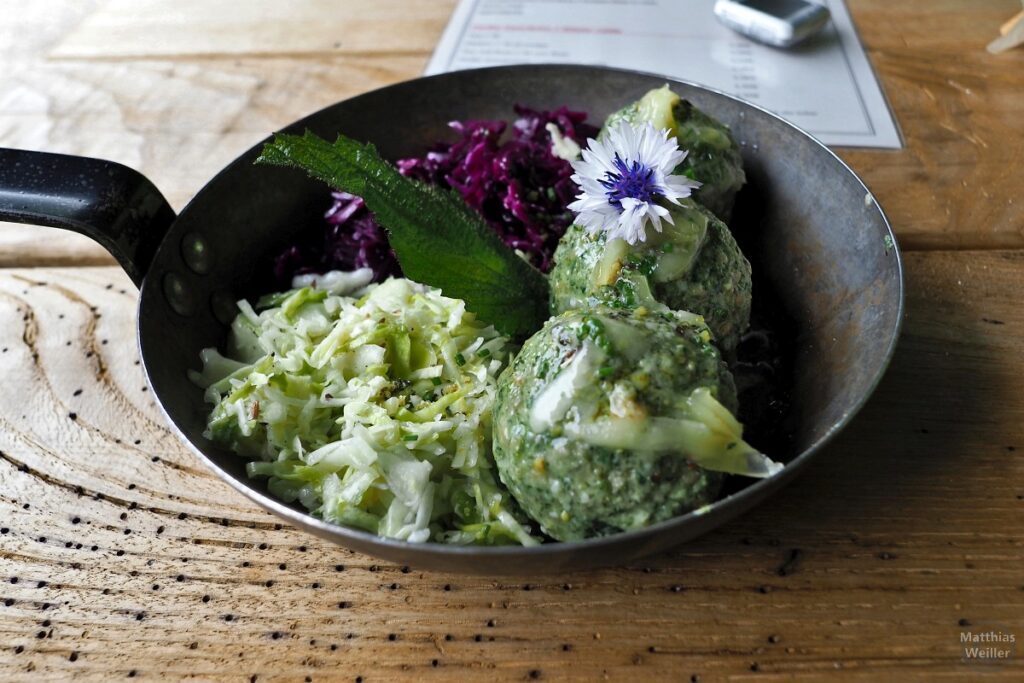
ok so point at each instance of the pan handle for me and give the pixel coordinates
(110, 203)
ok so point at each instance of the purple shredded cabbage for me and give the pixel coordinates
(515, 182)
(350, 239)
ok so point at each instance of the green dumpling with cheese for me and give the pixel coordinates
(611, 419)
(713, 157)
(693, 264)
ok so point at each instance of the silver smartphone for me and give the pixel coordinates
(780, 23)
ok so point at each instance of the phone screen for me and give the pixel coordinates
(776, 8)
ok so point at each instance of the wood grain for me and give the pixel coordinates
(960, 110)
(119, 553)
(120, 556)
(177, 121)
(163, 28)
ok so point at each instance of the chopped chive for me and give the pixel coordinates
(483, 353)
(605, 371)
(436, 381)
(460, 359)
(409, 437)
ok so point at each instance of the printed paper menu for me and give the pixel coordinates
(826, 86)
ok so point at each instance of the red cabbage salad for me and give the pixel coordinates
(510, 174)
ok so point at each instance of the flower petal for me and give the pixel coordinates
(620, 175)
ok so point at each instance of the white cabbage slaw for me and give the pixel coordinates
(370, 404)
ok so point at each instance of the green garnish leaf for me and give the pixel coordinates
(438, 240)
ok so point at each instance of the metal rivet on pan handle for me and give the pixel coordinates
(196, 253)
(224, 307)
(178, 294)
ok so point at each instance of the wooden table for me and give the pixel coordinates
(122, 557)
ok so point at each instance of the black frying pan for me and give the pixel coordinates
(815, 235)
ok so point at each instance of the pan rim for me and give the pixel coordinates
(717, 513)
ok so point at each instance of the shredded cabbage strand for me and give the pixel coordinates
(373, 410)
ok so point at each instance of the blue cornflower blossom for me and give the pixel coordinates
(622, 178)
